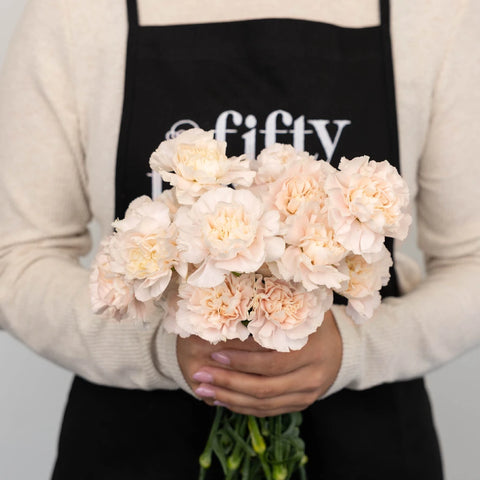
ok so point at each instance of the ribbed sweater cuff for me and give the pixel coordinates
(166, 346)
(351, 363)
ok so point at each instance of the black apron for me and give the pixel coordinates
(323, 88)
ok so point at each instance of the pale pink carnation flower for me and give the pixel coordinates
(366, 278)
(215, 314)
(111, 295)
(194, 162)
(144, 248)
(309, 230)
(169, 198)
(367, 201)
(169, 303)
(273, 160)
(295, 265)
(226, 231)
(313, 253)
(301, 182)
(286, 314)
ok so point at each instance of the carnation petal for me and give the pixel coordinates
(207, 275)
(328, 276)
(145, 292)
(362, 309)
(274, 248)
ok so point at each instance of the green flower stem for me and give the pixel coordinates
(246, 468)
(265, 425)
(235, 459)
(240, 441)
(295, 421)
(303, 473)
(234, 462)
(220, 453)
(277, 450)
(280, 472)
(205, 459)
(258, 443)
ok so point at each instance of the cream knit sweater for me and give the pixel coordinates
(61, 95)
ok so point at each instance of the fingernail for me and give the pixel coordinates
(218, 403)
(205, 391)
(202, 377)
(221, 358)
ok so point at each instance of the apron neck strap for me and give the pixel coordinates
(132, 13)
(390, 79)
(385, 14)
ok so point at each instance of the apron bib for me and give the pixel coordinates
(325, 89)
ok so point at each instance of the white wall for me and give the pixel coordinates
(33, 391)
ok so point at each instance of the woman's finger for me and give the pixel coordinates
(306, 379)
(267, 363)
(239, 402)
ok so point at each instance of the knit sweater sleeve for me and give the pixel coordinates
(44, 207)
(440, 319)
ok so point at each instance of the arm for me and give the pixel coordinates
(439, 320)
(44, 205)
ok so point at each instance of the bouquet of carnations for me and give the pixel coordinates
(241, 248)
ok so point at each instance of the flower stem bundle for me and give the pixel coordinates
(249, 448)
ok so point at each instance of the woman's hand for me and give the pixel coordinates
(252, 380)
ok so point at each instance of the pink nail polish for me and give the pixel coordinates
(202, 377)
(205, 391)
(218, 403)
(221, 358)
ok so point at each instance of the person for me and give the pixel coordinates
(338, 79)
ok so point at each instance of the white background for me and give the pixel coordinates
(33, 391)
